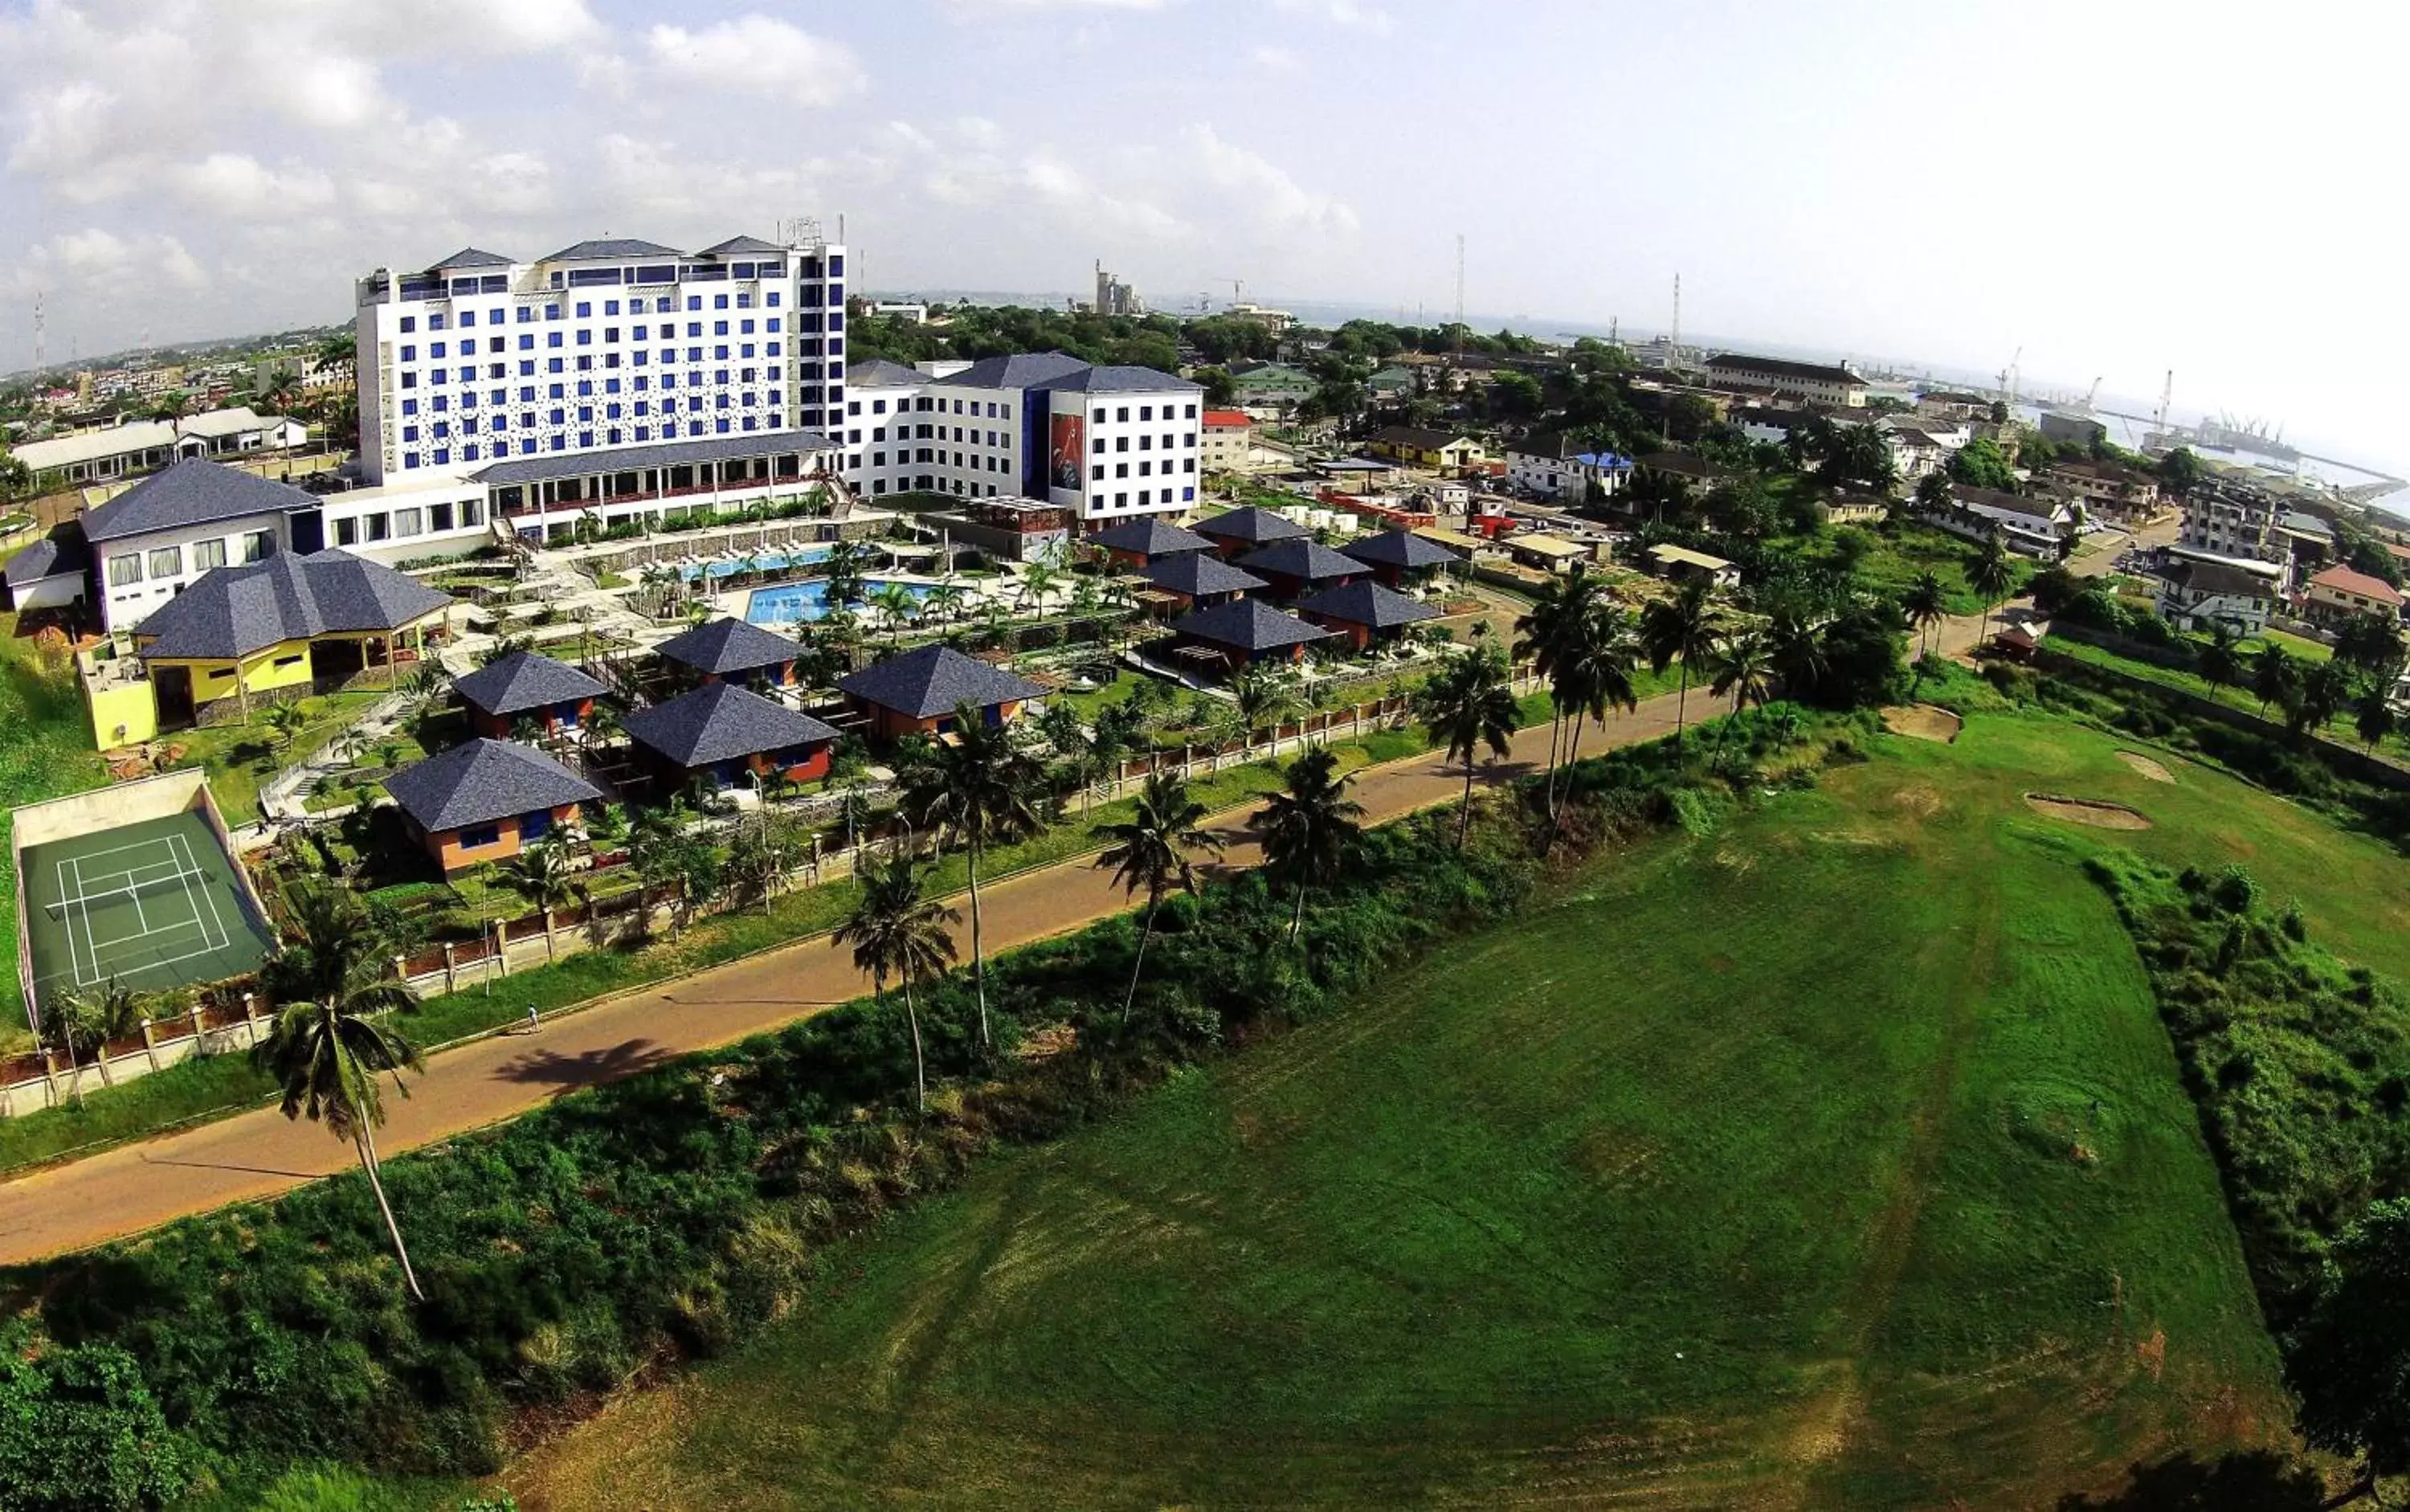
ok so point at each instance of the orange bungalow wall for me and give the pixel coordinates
(455, 857)
(498, 726)
(887, 724)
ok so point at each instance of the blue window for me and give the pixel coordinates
(584, 309)
(586, 338)
(720, 353)
(611, 411)
(526, 313)
(476, 836)
(721, 425)
(644, 432)
(553, 366)
(468, 375)
(410, 459)
(750, 422)
(610, 386)
(467, 317)
(720, 327)
(526, 447)
(586, 438)
(612, 436)
(442, 456)
(836, 297)
(561, 443)
(501, 422)
(585, 413)
(556, 416)
(720, 402)
(408, 324)
(694, 428)
(837, 266)
(610, 307)
(745, 327)
(469, 453)
(410, 353)
(1187, 494)
(610, 335)
(837, 349)
(552, 311)
(585, 388)
(552, 338)
(770, 349)
(410, 406)
(644, 406)
(527, 395)
(695, 301)
(410, 432)
(435, 349)
(527, 341)
(776, 421)
(719, 301)
(837, 321)
(771, 298)
(439, 403)
(770, 326)
(435, 322)
(556, 390)
(527, 368)
(443, 428)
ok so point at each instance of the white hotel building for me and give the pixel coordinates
(611, 374)
(1111, 442)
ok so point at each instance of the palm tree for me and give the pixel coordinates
(1743, 667)
(1465, 706)
(1797, 653)
(1308, 830)
(542, 875)
(1926, 603)
(945, 600)
(1264, 698)
(1037, 580)
(2220, 664)
(844, 575)
(285, 722)
(896, 931)
(2274, 676)
(1151, 850)
(898, 603)
(2372, 715)
(2325, 692)
(1675, 629)
(81, 1023)
(1600, 659)
(1991, 576)
(983, 790)
(328, 1050)
(1546, 632)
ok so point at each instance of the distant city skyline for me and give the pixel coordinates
(2117, 190)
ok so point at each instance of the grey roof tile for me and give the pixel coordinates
(483, 781)
(1250, 526)
(1366, 603)
(191, 492)
(610, 247)
(1200, 575)
(1151, 537)
(1302, 560)
(1247, 624)
(879, 373)
(525, 681)
(62, 551)
(1399, 548)
(473, 257)
(725, 646)
(234, 611)
(720, 723)
(660, 453)
(930, 681)
(743, 246)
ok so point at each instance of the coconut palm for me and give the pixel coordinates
(1151, 848)
(2220, 664)
(2325, 692)
(1991, 576)
(81, 1023)
(1038, 581)
(1742, 666)
(1925, 605)
(1308, 830)
(945, 600)
(2276, 676)
(327, 1051)
(2373, 715)
(763, 854)
(984, 791)
(285, 722)
(1465, 706)
(894, 931)
(1600, 658)
(542, 875)
(1264, 698)
(1675, 629)
(1546, 634)
(1796, 647)
(898, 605)
(844, 575)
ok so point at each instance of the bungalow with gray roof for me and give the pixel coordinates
(1242, 531)
(1295, 568)
(486, 802)
(920, 692)
(526, 685)
(1364, 612)
(1241, 632)
(732, 650)
(728, 736)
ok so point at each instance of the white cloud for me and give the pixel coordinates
(94, 258)
(1261, 191)
(1340, 14)
(1276, 60)
(759, 55)
(992, 8)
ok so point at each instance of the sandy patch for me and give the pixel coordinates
(1921, 722)
(2104, 816)
(1917, 802)
(2144, 766)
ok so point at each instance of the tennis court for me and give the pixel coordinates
(150, 904)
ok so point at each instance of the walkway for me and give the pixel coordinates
(262, 1154)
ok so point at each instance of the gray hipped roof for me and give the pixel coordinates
(1250, 526)
(621, 247)
(1119, 380)
(1150, 537)
(1200, 575)
(1366, 603)
(57, 554)
(525, 681)
(743, 246)
(483, 781)
(877, 373)
(720, 723)
(191, 492)
(693, 453)
(1301, 560)
(473, 257)
(1399, 548)
(1020, 370)
(928, 682)
(234, 611)
(724, 646)
(1248, 624)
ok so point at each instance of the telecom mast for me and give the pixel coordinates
(1674, 337)
(40, 352)
(1460, 278)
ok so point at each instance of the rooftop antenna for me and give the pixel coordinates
(1459, 279)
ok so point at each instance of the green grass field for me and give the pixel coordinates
(1836, 1161)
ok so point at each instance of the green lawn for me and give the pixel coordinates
(1903, 553)
(1836, 1161)
(240, 758)
(2339, 728)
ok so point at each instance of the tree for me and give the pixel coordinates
(896, 931)
(1151, 848)
(1933, 492)
(843, 575)
(2350, 1362)
(16, 478)
(983, 790)
(898, 605)
(1264, 699)
(1982, 464)
(2370, 643)
(2220, 664)
(1675, 629)
(328, 1050)
(1991, 576)
(1308, 829)
(1038, 581)
(1600, 659)
(1546, 632)
(1219, 388)
(1465, 706)
(285, 722)
(1925, 606)
(2325, 692)
(1795, 647)
(766, 852)
(2276, 676)
(2373, 715)
(542, 875)
(2180, 471)
(1742, 666)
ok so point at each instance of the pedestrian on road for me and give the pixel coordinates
(536, 1020)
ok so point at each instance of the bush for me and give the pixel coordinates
(80, 1431)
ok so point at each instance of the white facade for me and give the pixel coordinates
(402, 521)
(606, 344)
(140, 573)
(139, 446)
(1112, 443)
(1567, 477)
(1814, 382)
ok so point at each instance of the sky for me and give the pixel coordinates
(2115, 189)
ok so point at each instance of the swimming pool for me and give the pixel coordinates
(769, 561)
(791, 604)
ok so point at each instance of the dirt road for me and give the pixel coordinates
(261, 1154)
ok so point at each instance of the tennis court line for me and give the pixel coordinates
(76, 902)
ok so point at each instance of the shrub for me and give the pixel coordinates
(81, 1430)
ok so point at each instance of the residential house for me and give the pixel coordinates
(1270, 389)
(2198, 595)
(267, 633)
(1436, 451)
(1399, 558)
(1241, 632)
(523, 685)
(1364, 612)
(1229, 441)
(1546, 553)
(1295, 568)
(486, 802)
(731, 651)
(2066, 425)
(1680, 564)
(1196, 580)
(1241, 531)
(53, 573)
(2043, 529)
(2341, 595)
(917, 692)
(728, 736)
(1391, 383)
(2233, 518)
(139, 446)
(1816, 382)
(1140, 543)
(2111, 491)
(1561, 468)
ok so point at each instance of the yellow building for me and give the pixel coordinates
(1437, 451)
(242, 638)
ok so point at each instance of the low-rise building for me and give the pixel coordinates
(2232, 519)
(2196, 594)
(2043, 529)
(1296, 567)
(1438, 451)
(1235, 533)
(139, 446)
(1268, 390)
(1012, 530)
(1365, 613)
(921, 693)
(1680, 564)
(2111, 491)
(1558, 467)
(1401, 556)
(1229, 441)
(525, 685)
(1241, 632)
(486, 802)
(1546, 553)
(2341, 595)
(1196, 580)
(732, 650)
(728, 736)
(1140, 542)
(1816, 382)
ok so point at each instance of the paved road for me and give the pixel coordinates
(261, 1154)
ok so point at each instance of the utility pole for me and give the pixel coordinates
(40, 350)
(1674, 338)
(2167, 396)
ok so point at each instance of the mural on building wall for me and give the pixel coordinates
(1067, 451)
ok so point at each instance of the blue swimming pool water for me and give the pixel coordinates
(768, 561)
(791, 604)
